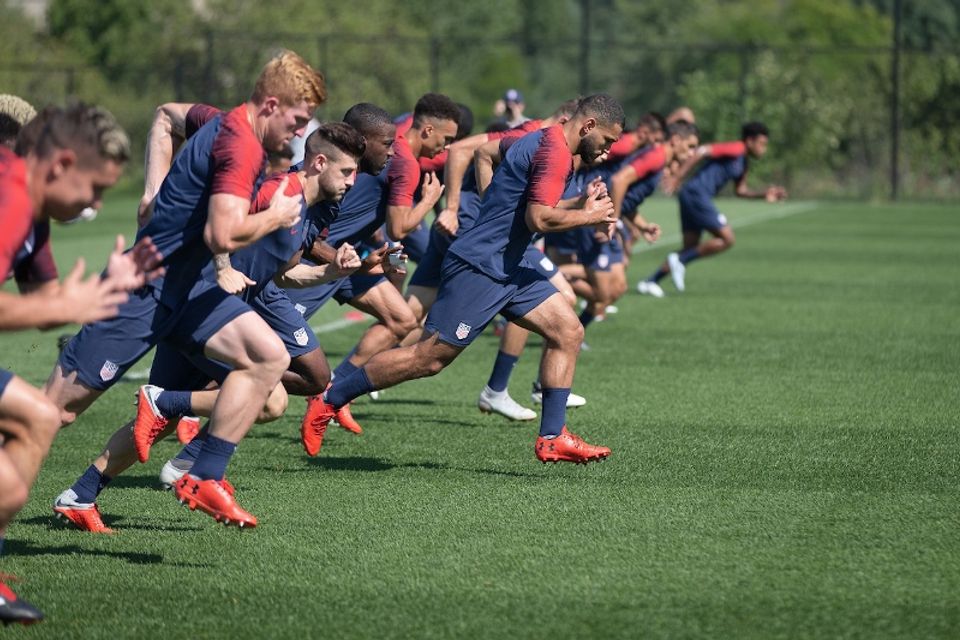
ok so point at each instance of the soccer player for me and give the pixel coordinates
(650, 129)
(723, 162)
(202, 208)
(332, 152)
(484, 274)
(69, 157)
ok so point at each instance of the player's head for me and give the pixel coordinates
(651, 128)
(565, 111)
(683, 138)
(435, 116)
(332, 153)
(286, 95)
(599, 121)
(465, 123)
(76, 152)
(755, 136)
(378, 130)
(14, 113)
(682, 113)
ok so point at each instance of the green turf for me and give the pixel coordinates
(785, 465)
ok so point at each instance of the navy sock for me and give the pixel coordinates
(688, 255)
(174, 403)
(554, 415)
(192, 449)
(345, 368)
(502, 368)
(586, 317)
(344, 390)
(1, 545)
(212, 462)
(89, 485)
(658, 275)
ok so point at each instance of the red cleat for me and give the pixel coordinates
(187, 429)
(213, 498)
(13, 610)
(314, 424)
(568, 447)
(346, 420)
(85, 518)
(149, 423)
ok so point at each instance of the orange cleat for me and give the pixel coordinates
(85, 517)
(568, 447)
(213, 498)
(187, 429)
(149, 423)
(346, 420)
(314, 424)
(13, 610)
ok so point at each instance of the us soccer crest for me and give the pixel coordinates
(108, 370)
(300, 335)
(463, 330)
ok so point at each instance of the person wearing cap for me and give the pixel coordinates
(514, 106)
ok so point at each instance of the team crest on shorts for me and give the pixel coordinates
(463, 330)
(300, 335)
(547, 264)
(108, 370)
(299, 307)
(603, 261)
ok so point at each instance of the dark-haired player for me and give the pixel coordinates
(722, 162)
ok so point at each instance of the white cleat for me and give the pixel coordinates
(492, 402)
(573, 400)
(172, 471)
(677, 270)
(648, 288)
(611, 309)
(374, 395)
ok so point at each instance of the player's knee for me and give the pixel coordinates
(13, 494)
(569, 296)
(275, 406)
(45, 421)
(403, 324)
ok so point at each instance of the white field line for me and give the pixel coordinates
(776, 213)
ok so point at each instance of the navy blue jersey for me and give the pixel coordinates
(362, 211)
(727, 162)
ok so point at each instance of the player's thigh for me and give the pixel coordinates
(244, 341)
(604, 284)
(384, 302)
(725, 233)
(312, 366)
(553, 318)
(559, 281)
(420, 299)
(691, 238)
(26, 412)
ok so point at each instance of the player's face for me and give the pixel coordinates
(437, 136)
(284, 123)
(337, 177)
(72, 186)
(683, 147)
(596, 142)
(379, 150)
(757, 145)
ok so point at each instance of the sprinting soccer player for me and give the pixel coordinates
(484, 274)
(650, 129)
(332, 152)
(723, 162)
(69, 157)
(202, 208)
(387, 198)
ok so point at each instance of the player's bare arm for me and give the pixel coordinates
(486, 157)
(772, 193)
(230, 228)
(597, 210)
(166, 134)
(298, 275)
(459, 157)
(619, 184)
(403, 220)
(229, 279)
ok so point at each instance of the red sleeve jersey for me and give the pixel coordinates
(623, 147)
(199, 115)
(551, 165)
(16, 209)
(650, 163)
(508, 137)
(728, 149)
(403, 175)
(238, 156)
(435, 164)
(404, 124)
(269, 187)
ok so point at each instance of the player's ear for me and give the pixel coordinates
(588, 125)
(320, 162)
(270, 105)
(63, 160)
(427, 130)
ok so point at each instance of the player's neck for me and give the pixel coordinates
(571, 134)
(414, 141)
(35, 181)
(258, 125)
(310, 187)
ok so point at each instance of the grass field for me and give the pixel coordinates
(785, 465)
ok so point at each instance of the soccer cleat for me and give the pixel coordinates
(500, 402)
(170, 473)
(677, 271)
(213, 498)
(84, 516)
(374, 395)
(314, 424)
(187, 429)
(649, 288)
(568, 447)
(149, 423)
(573, 400)
(346, 420)
(612, 309)
(14, 610)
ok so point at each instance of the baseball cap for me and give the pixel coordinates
(512, 95)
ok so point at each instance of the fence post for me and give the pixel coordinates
(895, 105)
(434, 64)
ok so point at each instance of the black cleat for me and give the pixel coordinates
(13, 610)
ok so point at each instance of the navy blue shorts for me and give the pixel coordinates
(273, 305)
(565, 243)
(103, 351)
(469, 299)
(307, 301)
(429, 267)
(698, 213)
(596, 255)
(5, 378)
(538, 260)
(173, 369)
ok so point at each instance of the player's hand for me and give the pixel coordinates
(604, 231)
(668, 184)
(431, 189)
(85, 301)
(599, 209)
(775, 194)
(597, 186)
(378, 261)
(286, 209)
(448, 222)
(347, 260)
(132, 269)
(233, 281)
(650, 232)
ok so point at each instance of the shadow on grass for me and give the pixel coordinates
(52, 524)
(362, 463)
(23, 548)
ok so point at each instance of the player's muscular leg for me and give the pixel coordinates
(259, 359)
(563, 286)
(563, 334)
(514, 339)
(396, 321)
(13, 490)
(605, 286)
(308, 374)
(120, 453)
(426, 358)
(722, 240)
(68, 394)
(28, 421)
(203, 402)
(419, 299)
